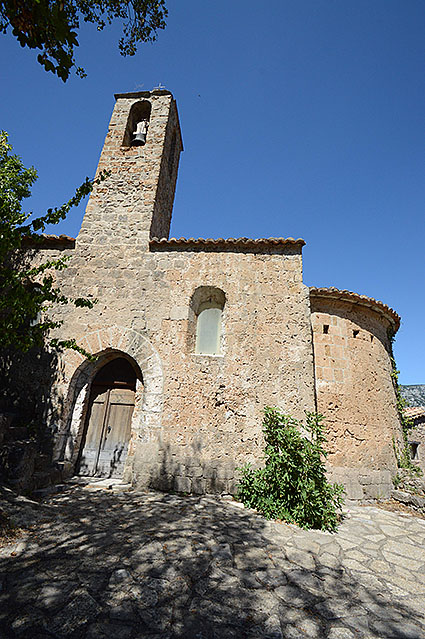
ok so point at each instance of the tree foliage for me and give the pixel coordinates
(292, 485)
(52, 26)
(27, 287)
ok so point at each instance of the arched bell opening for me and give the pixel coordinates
(108, 418)
(137, 124)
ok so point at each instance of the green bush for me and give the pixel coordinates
(292, 485)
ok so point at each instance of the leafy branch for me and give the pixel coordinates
(27, 287)
(52, 26)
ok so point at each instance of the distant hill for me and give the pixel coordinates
(414, 394)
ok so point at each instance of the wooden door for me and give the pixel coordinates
(108, 424)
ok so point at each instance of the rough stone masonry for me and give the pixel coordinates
(210, 331)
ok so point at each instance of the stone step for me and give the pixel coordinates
(114, 484)
(408, 498)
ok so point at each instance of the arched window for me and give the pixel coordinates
(207, 306)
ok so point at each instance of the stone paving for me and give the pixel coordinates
(129, 565)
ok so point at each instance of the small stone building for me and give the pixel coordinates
(416, 435)
(193, 337)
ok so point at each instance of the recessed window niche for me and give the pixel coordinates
(206, 321)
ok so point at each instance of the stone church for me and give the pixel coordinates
(194, 337)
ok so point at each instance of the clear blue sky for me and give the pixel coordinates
(300, 118)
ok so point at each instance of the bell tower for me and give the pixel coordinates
(141, 152)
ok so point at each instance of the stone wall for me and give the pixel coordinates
(204, 415)
(416, 434)
(354, 388)
(213, 404)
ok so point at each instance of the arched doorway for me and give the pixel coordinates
(108, 424)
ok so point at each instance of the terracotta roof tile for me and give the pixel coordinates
(226, 243)
(50, 241)
(362, 300)
(412, 412)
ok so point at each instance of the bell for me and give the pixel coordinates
(139, 139)
(139, 135)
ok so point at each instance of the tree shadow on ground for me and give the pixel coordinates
(138, 565)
